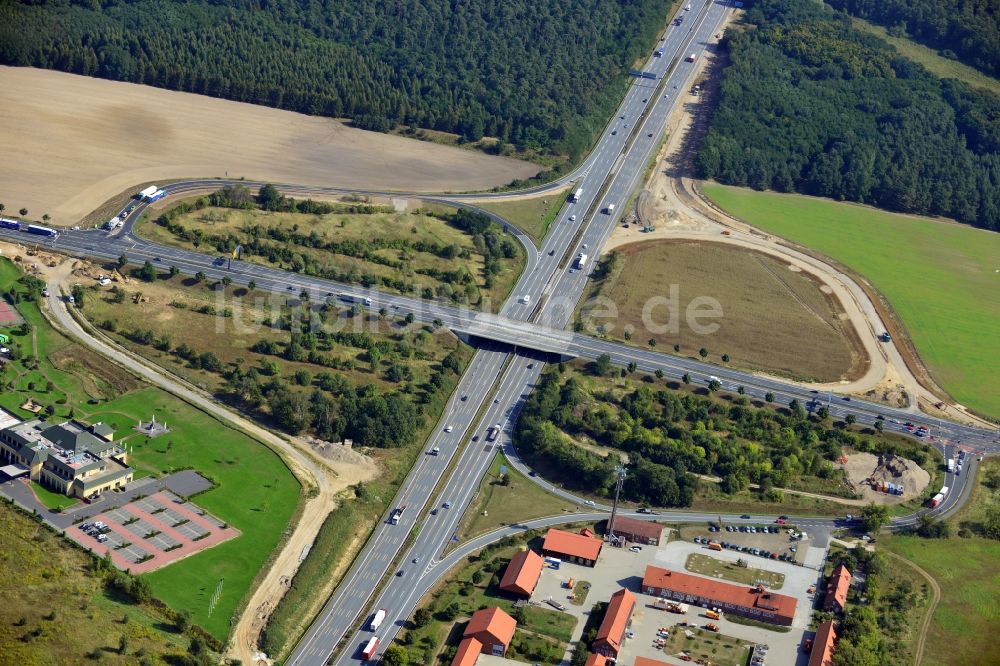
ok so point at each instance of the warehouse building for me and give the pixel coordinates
(756, 603)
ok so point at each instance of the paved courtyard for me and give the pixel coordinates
(147, 526)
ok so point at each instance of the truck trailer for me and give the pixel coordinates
(493, 433)
(576, 195)
(149, 191)
(348, 298)
(42, 231)
(395, 515)
(377, 620)
(937, 499)
(369, 650)
(581, 260)
(7, 223)
(158, 194)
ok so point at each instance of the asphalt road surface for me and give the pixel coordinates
(503, 372)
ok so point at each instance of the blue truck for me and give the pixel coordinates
(6, 223)
(42, 231)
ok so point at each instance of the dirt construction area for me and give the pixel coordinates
(867, 473)
(126, 134)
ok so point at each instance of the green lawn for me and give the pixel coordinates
(255, 493)
(716, 568)
(938, 276)
(519, 500)
(51, 499)
(966, 570)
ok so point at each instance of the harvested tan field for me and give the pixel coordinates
(774, 319)
(72, 142)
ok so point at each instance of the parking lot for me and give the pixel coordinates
(621, 567)
(151, 532)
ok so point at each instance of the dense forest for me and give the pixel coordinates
(810, 104)
(539, 74)
(968, 30)
(670, 436)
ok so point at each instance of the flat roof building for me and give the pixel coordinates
(637, 531)
(493, 628)
(823, 644)
(756, 603)
(616, 620)
(836, 590)
(522, 574)
(572, 547)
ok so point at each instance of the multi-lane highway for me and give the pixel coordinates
(503, 372)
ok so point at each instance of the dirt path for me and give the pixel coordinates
(322, 479)
(918, 651)
(829, 498)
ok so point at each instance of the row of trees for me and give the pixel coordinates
(965, 29)
(810, 104)
(535, 73)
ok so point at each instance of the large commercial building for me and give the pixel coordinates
(836, 590)
(755, 603)
(611, 633)
(572, 547)
(521, 575)
(70, 458)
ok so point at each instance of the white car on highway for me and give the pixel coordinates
(449, 428)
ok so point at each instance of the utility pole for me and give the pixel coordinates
(621, 473)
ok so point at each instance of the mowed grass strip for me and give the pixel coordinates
(716, 568)
(942, 279)
(773, 319)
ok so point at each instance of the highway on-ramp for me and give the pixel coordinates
(505, 369)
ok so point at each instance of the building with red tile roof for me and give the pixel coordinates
(572, 547)
(587, 532)
(756, 603)
(521, 575)
(616, 620)
(637, 531)
(645, 661)
(596, 660)
(468, 652)
(823, 644)
(836, 590)
(493, 628)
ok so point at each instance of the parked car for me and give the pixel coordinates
(636, 549)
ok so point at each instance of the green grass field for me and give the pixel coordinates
(713, 567)
(941, 278)
(532, 215)
(936, 64)
(518, 501)
(255, 492)
(966, 570)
